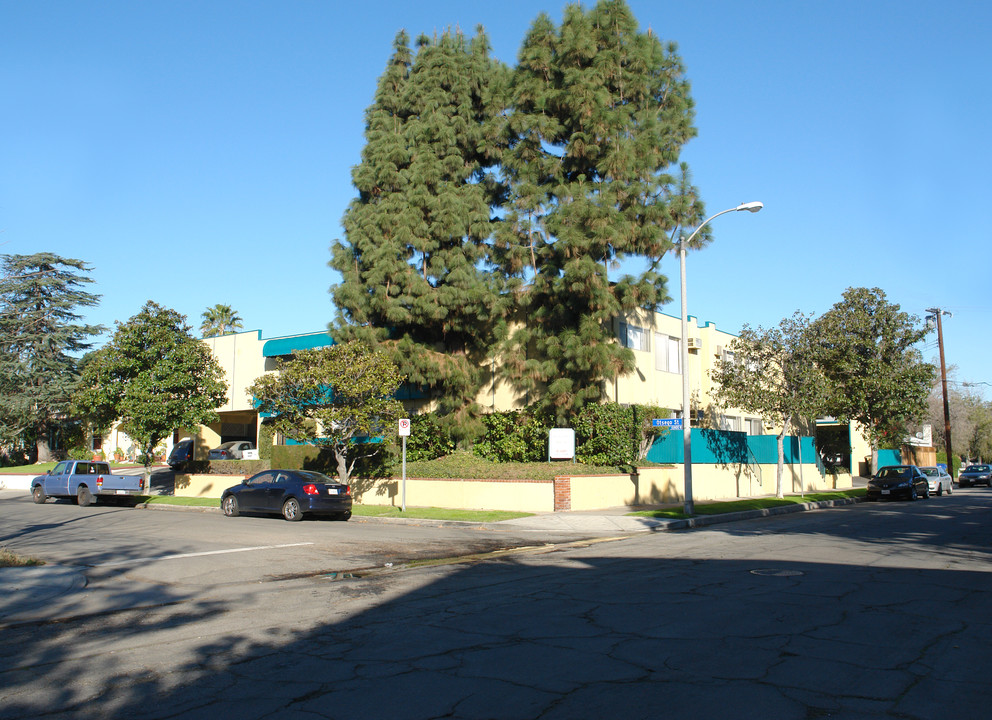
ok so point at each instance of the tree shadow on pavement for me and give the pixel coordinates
(601, 631)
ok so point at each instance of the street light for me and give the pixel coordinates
(686, 430)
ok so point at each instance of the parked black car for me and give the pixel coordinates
(182, 453)
(293, 493)
(896, 481)
(975, 475)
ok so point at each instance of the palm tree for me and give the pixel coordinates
(219, 320)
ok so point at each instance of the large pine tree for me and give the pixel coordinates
(40, 339)
(600, 114)
(417, 238)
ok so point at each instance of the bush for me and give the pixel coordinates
(321, 459)
(237, 467)
(515, 436)
(266, 438)
(606, 434)
(80, 452)
(428, 439)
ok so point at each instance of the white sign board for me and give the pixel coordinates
(404, 427)
(249, 454)
(561, 443)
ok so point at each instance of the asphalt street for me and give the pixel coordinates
(861, 611)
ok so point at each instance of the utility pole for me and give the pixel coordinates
(937, 313)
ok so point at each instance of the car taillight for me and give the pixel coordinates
(347, 489)
(99, 482)
(311, 489)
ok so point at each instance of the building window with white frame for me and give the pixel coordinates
(635, 338)
(667, 353)
(755, 426)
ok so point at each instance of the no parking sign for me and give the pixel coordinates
(404, 427)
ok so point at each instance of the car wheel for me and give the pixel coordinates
(83, 496)
(343, 516)
(912, 494)
(950, 488)
(229, 505)
(940, 489)
(38, 494)
(292, 511)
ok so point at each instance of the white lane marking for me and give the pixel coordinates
(200, 554)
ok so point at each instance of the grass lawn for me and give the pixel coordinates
(9, 559)
(730, 506)
(366, 510)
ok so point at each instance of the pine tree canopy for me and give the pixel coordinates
(415, 255)
(491, 199)
(601, 112)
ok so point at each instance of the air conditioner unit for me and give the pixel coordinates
(694, 343)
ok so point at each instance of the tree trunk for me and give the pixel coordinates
(342, 458)
(780, 467)
(43, 449)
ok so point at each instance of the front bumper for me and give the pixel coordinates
(894, 493)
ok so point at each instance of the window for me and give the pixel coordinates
(634, 337)
(728, 422)
(754, 426)
(667, 353)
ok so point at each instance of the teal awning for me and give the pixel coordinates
(287, 345)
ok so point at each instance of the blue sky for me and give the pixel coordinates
(200, 152)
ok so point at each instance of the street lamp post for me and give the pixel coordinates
(686, 429)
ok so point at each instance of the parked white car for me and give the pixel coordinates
(231, 450)
(940, 481)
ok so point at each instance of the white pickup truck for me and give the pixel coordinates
(85, 481)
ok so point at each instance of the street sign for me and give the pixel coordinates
(404, 427)
(672, 422)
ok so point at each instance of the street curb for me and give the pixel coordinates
(704, 520)
(646, 524)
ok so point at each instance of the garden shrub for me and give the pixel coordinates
(429, 439)
(515, 436)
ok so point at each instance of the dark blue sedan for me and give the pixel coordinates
(895, 481)
(293, 493)
(975, 474)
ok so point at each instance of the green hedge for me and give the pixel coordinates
(606, 434)
(237, 467)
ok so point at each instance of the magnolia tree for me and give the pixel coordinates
(868, 351)
(153, 376)
(773, 374)
(339, 397)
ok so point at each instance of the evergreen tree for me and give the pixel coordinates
(39, 334)
(600, 114)
(414, 259)
(219, 320)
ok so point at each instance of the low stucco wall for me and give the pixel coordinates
(665, 484)
(16, 482)
(656, 485)
(205, 486)
(517, 495)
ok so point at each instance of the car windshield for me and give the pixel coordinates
(977, 469)
(227, 446)
(930, 471)
(893, 472)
